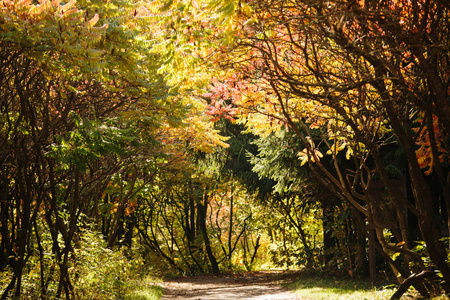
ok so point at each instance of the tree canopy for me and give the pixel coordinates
(205, 131)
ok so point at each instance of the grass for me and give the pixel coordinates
(316, 288)
(144, 289)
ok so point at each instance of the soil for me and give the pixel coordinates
(246, 286)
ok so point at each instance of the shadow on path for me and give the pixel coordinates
(251, 286)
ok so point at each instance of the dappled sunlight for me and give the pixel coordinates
(225, 141)
(316, 288)
(252, 286)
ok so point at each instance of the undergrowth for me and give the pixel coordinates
(96, 273)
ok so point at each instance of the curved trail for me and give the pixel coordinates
(252, 286)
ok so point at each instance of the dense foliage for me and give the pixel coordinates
(369, 78)
(204, 136)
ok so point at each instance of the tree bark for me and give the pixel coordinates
(202, 222)
(414, 279)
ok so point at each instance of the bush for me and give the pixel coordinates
(101, 273)
(95, 271)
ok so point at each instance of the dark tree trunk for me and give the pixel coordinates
(361, 267)
(329, 242)
(201, 208)
(414, 279)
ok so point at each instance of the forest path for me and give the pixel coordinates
(249, 286)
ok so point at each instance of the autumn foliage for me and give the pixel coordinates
(165, 122)
(357, 77)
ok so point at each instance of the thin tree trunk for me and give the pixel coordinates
(202, 222)
(372, 262)
(230, 230)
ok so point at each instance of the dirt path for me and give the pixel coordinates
(251, 286)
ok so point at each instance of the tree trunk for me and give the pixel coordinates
(360, 269)
(202, 222)
(414, 279)
(230, 231)
(329, 242)
(372, 262)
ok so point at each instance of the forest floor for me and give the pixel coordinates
(247, 286)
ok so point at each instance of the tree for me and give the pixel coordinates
(84, 109)
(367, 74)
